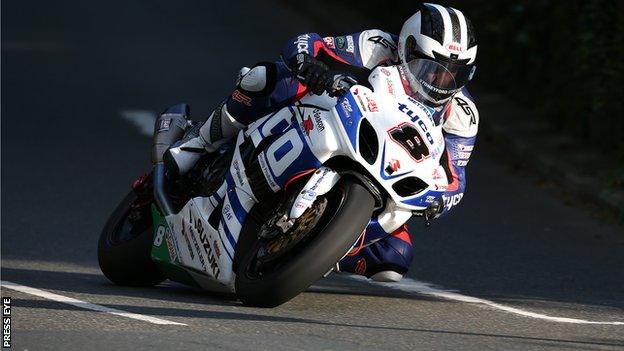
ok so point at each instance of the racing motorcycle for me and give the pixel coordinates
(276, 208)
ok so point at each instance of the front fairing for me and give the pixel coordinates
(409, 144)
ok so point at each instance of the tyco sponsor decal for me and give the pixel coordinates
(450, 201)
(403, 108)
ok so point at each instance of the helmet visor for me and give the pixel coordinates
(437, 81)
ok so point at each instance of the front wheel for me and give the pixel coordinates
(265, 282)
(124, 248)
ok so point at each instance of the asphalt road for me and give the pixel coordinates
(69, 70)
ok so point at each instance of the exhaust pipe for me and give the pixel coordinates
(168, 129)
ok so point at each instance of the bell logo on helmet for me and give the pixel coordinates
(455, 47)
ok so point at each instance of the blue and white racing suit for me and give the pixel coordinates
(270, 86)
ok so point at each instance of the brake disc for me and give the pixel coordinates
(280, 244)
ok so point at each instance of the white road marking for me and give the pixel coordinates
(424, 288)
(143, 119)
(83, 304)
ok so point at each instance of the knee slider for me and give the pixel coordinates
(259, 80)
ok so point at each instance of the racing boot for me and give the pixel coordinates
(386, 260)
(199, 140)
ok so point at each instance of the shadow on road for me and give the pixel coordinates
(597, 343)
(97, 284)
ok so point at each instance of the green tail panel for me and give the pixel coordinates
(164, 251)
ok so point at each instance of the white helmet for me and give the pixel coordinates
(443, 35)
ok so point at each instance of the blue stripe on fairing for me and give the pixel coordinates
(355, 117)
(228, 234)
(230, 255)
(282, 150)
(280, 127)
(238, 209)
(217, 197)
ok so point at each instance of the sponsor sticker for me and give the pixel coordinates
(172, 247)
(165, 124)
(346, 107)
(390, 86)
(450, 201)
(308, 195)
(350, 44)
(463, 147)
(340, 42)
(360, 266)
(320, 126)
(242, 98)
(372, 105)
(217, 248)
(302, 43)
(436, 174)
(307, 125)
(393, 166)
(379, 40)
(329, 42)
(267, 174)
(237, 172)
(198, 228)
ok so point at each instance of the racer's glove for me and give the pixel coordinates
(340, 83)
(432, 211)
(314, 74)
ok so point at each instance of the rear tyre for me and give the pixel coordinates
(124, 248)
(349, 210)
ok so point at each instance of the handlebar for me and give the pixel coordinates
(341, 84)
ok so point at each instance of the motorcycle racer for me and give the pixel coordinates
(311, 63)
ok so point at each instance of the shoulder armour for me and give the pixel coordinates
(463, 119)
(376, 46)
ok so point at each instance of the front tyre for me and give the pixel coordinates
(348, 212)
(124, 248)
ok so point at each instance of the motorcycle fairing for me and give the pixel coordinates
(303, 137)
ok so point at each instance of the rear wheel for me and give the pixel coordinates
(124, 248)
(271, 272)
